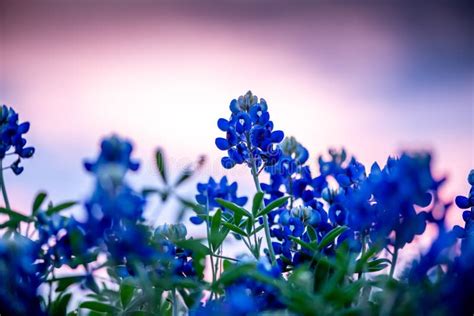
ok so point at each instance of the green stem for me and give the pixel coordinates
(265, 217)
(362, 255)
(255, 239)
(394, 261)
(175, 303)
(291, 192)
(208, 232)
(225, 257)
(4, 189)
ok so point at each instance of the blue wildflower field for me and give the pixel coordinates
(324, 243)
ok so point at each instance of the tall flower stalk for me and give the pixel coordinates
(12, 144)
(250, 139)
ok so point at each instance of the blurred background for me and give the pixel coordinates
(376, 78)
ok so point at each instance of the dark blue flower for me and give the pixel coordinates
(466, 203)
(115, 211)
(247, 295)
(19, 278)
(62, 239)
(113, 161)
(250, 137)
(208, 192)
(11, 138)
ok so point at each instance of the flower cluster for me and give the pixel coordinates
(403, 184)
(178, 260)
(314, 235)
(20, 280)
(208, 192)
(467, 203)
(371, 207)
(60, 239)
(115, 211)
(11, 137)
(250, 137)
(113, 162)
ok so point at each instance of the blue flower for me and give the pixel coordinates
(402, 184)
(250, 137)
(466, 203)
(247, 295)
(113, 161)
(19, 278)
(208, 192)
(62, 240)
(11, 138)
(293, 157)
(115, 211)
(178, 261)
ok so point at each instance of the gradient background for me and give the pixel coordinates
(375, 78)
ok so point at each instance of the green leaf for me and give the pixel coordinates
(186, 283)
(235, 272)
(193, 244)
(331, 237)
(257, 203)
(15, 216)
(185, 175)
(60, 207)
(59, 307)
(217, 236)
(312, 233)
(38, 202)
(160, 164)
(248, 225)
(371, 266)
(273, 205)
(237, 218)
(199, 209)
(126, 293)
(199, 252)
(65, 282)
(259, 228)
(99, 307)
(303, 244)
(235, 229)
(216, 222)
(233, 207)
(139, 313)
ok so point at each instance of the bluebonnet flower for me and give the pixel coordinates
(345, 173)
(113, 219)
(11, 137)
(208, 192)
(450, 288)
(180, 259)
(250, 137)
(466, 203)
(19, 278)
(290, 174)
(334, 165)
(384, 202)
(61, 240)
(301, 222)
(247, 295)
(293, 156)
(402, 184)
(115, 211)
(113, 161)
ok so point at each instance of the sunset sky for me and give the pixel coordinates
(376, 79)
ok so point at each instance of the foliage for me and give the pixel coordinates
(323, 242)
